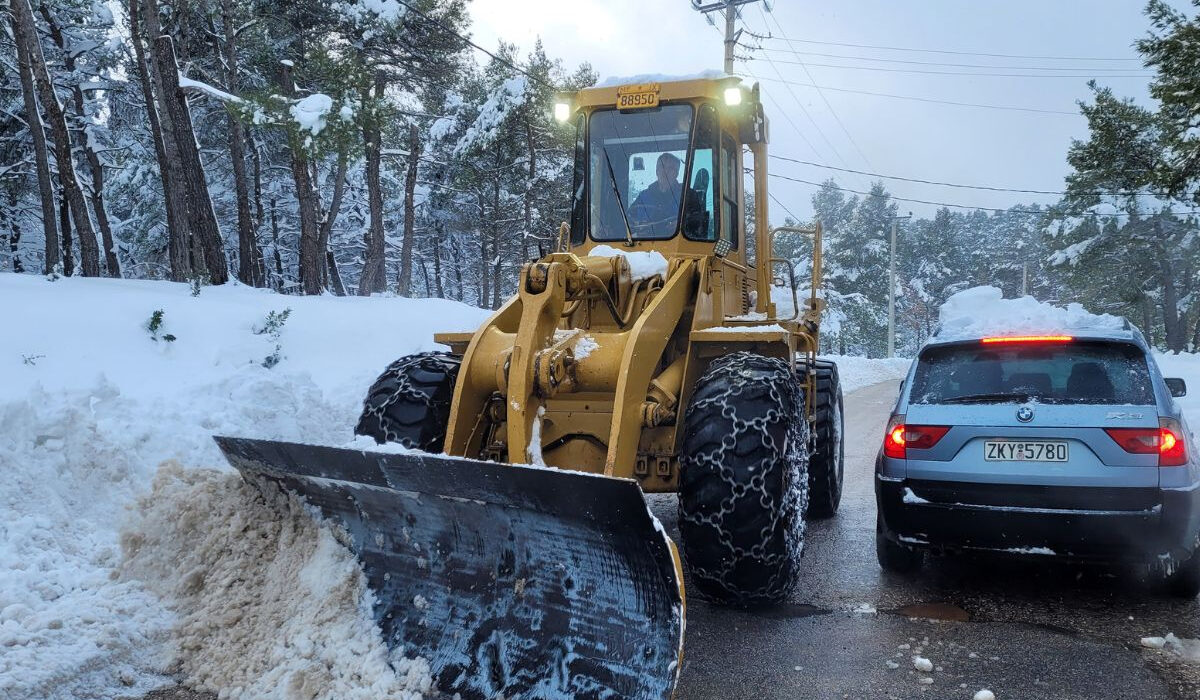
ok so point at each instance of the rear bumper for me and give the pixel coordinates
(1098, 524)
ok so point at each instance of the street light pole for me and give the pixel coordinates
(891, 338)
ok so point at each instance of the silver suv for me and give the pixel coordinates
(1068, 446)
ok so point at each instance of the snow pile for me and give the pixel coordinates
(270, 605)
(643, 264)
(857, 372)
(983, 311)
(310, 112)
(90, 405)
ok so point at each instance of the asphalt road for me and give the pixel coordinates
(1024, 630)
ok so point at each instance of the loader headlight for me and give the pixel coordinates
(733, 96)
(562, 111)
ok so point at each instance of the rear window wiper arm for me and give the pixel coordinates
(983, 398)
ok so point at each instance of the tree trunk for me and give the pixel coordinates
(112, 266)
(528, 199)
(374, 275)
(33, 115)
(335, 205)
(311, 255)
(437, 263)
(88, 252)
(404, 284)
(1176, 333)
(496, 269)
(169, 166)
(249, 255)
(14, 244)
(64, 225)
(202, 218)
(275, 248)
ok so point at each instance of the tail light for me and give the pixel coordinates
(901, 437)
(1166, 441)
(1022, 339)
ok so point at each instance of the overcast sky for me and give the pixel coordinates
(967, 145)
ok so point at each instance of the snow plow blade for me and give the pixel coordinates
(511, 581)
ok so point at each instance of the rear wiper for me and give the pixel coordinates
(985, 398)
(612, 178)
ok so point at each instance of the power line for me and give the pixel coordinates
(789, 211)
(936, 63)
(962, 186)
(974, 75)
(930, 100)
(450, 30)
(822, 94)
(964, 53)
(959, 206)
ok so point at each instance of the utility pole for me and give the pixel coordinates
(732, 33)
(891, 350)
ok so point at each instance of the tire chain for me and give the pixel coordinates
(787, 512)
(400, 372)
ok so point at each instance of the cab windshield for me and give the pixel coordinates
(638, 174)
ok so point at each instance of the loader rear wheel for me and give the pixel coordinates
(826, 466)
(410, 402)
(744, 480)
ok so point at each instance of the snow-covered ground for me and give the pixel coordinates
(91, 405)
(130, 553)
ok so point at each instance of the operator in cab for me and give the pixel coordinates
(658, 205)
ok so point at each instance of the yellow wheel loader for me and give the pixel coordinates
(654, 351)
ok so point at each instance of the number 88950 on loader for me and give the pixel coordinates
(512, 547)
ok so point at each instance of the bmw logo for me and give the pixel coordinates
(1024, 414)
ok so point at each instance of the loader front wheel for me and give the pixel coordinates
(826, 467)
(410, 402)
(744, 480)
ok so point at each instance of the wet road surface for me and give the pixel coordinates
(1022, 629)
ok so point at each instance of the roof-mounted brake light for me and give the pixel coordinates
(1028, 339)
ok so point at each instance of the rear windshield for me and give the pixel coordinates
(1095, 373)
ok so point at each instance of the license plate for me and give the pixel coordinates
(1025, 451)
(638, 96)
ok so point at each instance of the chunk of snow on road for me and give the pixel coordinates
(310, 112)
(1187, 649)
(983, 311)
(891, 664)
(1046, 551)
(922, 664)
(864, 609)
(643, 264)
(925, 680)
(984, 694)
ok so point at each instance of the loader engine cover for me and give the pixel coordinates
(511, 581)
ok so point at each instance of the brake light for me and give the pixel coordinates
(1028, 339)
(901, 437)
(1166, 441)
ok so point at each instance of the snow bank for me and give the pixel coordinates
(983, 311)
(90, 405)
(643, 264)
(1186, 366)
(858, 372)
(1187, 649)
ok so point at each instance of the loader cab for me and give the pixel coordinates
(658, 166)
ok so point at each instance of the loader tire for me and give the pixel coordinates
(827, 464)
(744, 480)
(410, 402)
